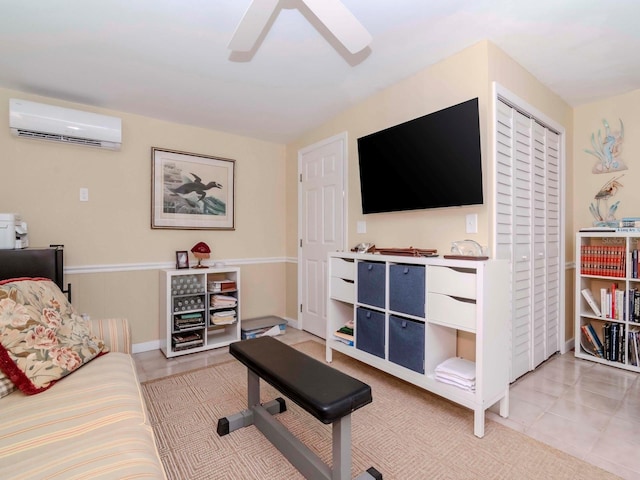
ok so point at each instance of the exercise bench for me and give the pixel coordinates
(324, 392)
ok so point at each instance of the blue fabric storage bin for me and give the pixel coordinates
(370, 331)
(406, 343)
(371, 283)
(407, 289)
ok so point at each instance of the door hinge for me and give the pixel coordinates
(300, 178)
(300, 308)
(300, 243)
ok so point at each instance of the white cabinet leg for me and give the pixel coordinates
(504, 405)
(478, 423)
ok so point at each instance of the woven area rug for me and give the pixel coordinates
(406, 433)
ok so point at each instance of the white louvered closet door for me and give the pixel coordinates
(527, 233)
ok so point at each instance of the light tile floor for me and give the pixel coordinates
(583, 408)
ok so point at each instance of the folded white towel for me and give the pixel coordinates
(458, 367)
(468, 387)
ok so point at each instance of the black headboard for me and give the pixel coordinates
(35, 262)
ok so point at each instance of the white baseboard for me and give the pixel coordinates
(146, 346)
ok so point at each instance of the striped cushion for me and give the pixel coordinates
(92, 424)
(6, 385)
(114, 332)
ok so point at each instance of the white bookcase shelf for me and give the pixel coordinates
(406, 313)
(607, 267)
(199, 309)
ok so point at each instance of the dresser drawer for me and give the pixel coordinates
(343, 268)
(450, 311)
(406, 289)
(448, 281)
(371, 283)
(342, 289)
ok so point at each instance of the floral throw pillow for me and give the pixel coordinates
(42, 338)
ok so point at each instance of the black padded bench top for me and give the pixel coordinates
(321, 390)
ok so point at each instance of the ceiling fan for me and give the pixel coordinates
(332, 13)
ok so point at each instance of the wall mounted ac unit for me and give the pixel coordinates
(48, 122)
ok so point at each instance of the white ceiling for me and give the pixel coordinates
(168, 59)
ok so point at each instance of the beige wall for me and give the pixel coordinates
(587, 121)
(41, 181)
(468, 74)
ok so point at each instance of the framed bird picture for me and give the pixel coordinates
(192, 191)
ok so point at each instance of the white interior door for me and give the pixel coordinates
(321, 225)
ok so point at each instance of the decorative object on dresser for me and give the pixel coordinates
(182, 259)
(199, 310)
(406, 314)
(202, 252)
(192, 191)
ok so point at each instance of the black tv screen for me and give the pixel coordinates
(429, 162)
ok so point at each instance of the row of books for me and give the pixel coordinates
(345, 334)
(188, 320)
(604, 260)
(610, 346)
(183, 341)
(615, 303)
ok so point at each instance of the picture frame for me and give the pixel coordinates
(182, 259)
(191, 191)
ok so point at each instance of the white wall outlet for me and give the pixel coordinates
(361, 227)
(84, 194)
(472, 223)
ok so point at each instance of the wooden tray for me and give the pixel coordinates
(408, 252)
(465, 257)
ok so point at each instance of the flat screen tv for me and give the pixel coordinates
(428, 162)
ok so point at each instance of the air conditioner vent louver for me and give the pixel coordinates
(59, 138)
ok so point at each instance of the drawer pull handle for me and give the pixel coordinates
(406, 270)
(368, 314)
(369, 267)
(404, 324)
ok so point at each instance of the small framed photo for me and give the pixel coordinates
(182, 259)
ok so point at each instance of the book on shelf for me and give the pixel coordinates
(586, 293)
(597, 229)
(634, 347)
(226, 285)
(594, 338)
(588, 343)
(345, 333)
(186, 338)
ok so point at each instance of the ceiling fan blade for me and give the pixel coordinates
(341, 23)
(252, 24)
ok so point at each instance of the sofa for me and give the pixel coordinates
(71, 403)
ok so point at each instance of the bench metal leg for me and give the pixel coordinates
(341, 448)
(300, 456)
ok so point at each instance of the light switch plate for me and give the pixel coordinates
(472, 223)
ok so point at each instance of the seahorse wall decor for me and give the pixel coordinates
(607, 150)
(603, 213)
